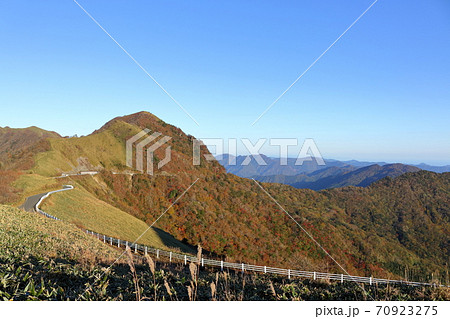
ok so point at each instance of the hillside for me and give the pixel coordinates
(273, 166)
(233, 217)
(17, 150)
(81, 208)
(43, 259)
(412, 209)
(31, 236)
(17, 146)
(334, 177)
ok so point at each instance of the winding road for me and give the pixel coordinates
(32, 203)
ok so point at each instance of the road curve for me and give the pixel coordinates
(32, 203)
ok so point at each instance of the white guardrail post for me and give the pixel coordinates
(221, 265)
(314, 276)
(185, 260)
(170, 256)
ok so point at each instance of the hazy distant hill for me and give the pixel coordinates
(426, 167)
(333, 177)
(313, 176)
(273, 166)
(436, 169)
(363, 163)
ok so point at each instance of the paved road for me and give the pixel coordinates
(32, 201)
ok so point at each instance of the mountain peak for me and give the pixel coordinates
(142, 119)
(139, 117)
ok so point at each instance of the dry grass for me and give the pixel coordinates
(194, 270)
(130, 262)
(29, 234)
(26, 237)
(152, 266)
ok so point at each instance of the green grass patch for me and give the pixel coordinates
(86, 211)
(32, 184)
(104, 149)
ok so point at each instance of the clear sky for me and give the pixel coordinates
(381, 93)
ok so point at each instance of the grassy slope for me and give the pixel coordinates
(32, 184)
(84, 210)
(103, 149)
(43, 259)
(28, 234)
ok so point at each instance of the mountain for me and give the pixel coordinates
(317, 177)
(392, 226)
(18, 145)
(404, 207)
(333, 177)
(436, 169)
(271, 166)
(426, 167)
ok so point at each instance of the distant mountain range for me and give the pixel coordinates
(436, 169)
(333, 177)
(317, 177)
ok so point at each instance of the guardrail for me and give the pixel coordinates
(36, 207)
(290, 273)
(185, 258)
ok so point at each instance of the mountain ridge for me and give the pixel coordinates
(230, 216)
(308, 166)
(334, 177)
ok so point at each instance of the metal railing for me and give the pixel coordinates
(290, 273)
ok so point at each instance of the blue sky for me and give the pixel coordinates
(381, 93)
